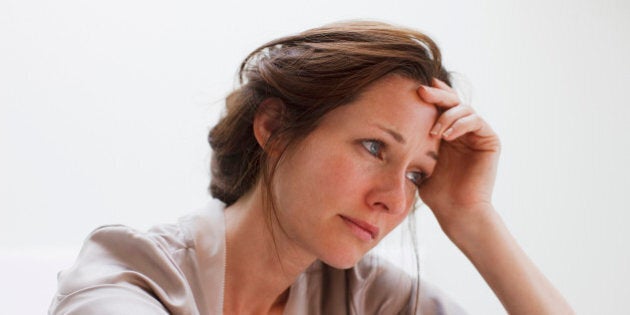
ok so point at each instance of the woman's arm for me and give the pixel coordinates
(516, 281)
(459, 193)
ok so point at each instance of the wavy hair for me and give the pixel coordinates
(312, 72)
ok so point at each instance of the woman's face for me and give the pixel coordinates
(353, 179)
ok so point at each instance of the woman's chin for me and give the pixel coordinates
(342, 261)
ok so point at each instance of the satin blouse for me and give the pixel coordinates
(180, 269)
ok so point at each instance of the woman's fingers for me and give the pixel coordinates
(437, 83)
(458, 119)
(439, 93)
(437, 96)
(462, 126)
(446, 120)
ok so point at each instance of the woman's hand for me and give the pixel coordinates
(461, 184)
(459, 193)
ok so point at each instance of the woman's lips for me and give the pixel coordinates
(361, 229)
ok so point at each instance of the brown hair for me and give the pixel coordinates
(312, 73)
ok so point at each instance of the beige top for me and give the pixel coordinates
(179, 269)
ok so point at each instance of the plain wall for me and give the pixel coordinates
(105, 107)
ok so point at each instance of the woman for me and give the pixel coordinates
(321, 153)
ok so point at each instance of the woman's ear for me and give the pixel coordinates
(268, 120)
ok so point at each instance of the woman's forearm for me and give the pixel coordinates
(516, 281)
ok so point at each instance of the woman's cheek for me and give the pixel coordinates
(348, 172)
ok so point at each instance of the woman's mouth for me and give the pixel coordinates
(362, 229)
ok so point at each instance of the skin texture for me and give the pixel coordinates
(350, 166)
(365, 162)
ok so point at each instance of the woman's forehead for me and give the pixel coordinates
(392, 101)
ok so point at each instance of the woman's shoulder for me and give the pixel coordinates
(119, 263)
(118, 268)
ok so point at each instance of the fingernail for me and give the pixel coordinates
(447, 132)
(425, 87)
(436, 129)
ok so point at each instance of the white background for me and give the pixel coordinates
(105, 106)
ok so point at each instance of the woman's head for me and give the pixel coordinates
(354, 178)
(309, 75)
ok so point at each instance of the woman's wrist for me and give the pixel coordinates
(517, 282)
(468, 225)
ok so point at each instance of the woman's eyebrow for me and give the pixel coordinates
(400, 139)
(397, 136)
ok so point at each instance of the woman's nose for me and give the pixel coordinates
(389, 193)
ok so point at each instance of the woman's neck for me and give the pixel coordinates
(260, 265)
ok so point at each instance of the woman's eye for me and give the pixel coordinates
(416, 177)
(374, 147)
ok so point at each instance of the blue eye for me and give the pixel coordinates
(416, 177)
(374, 147)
